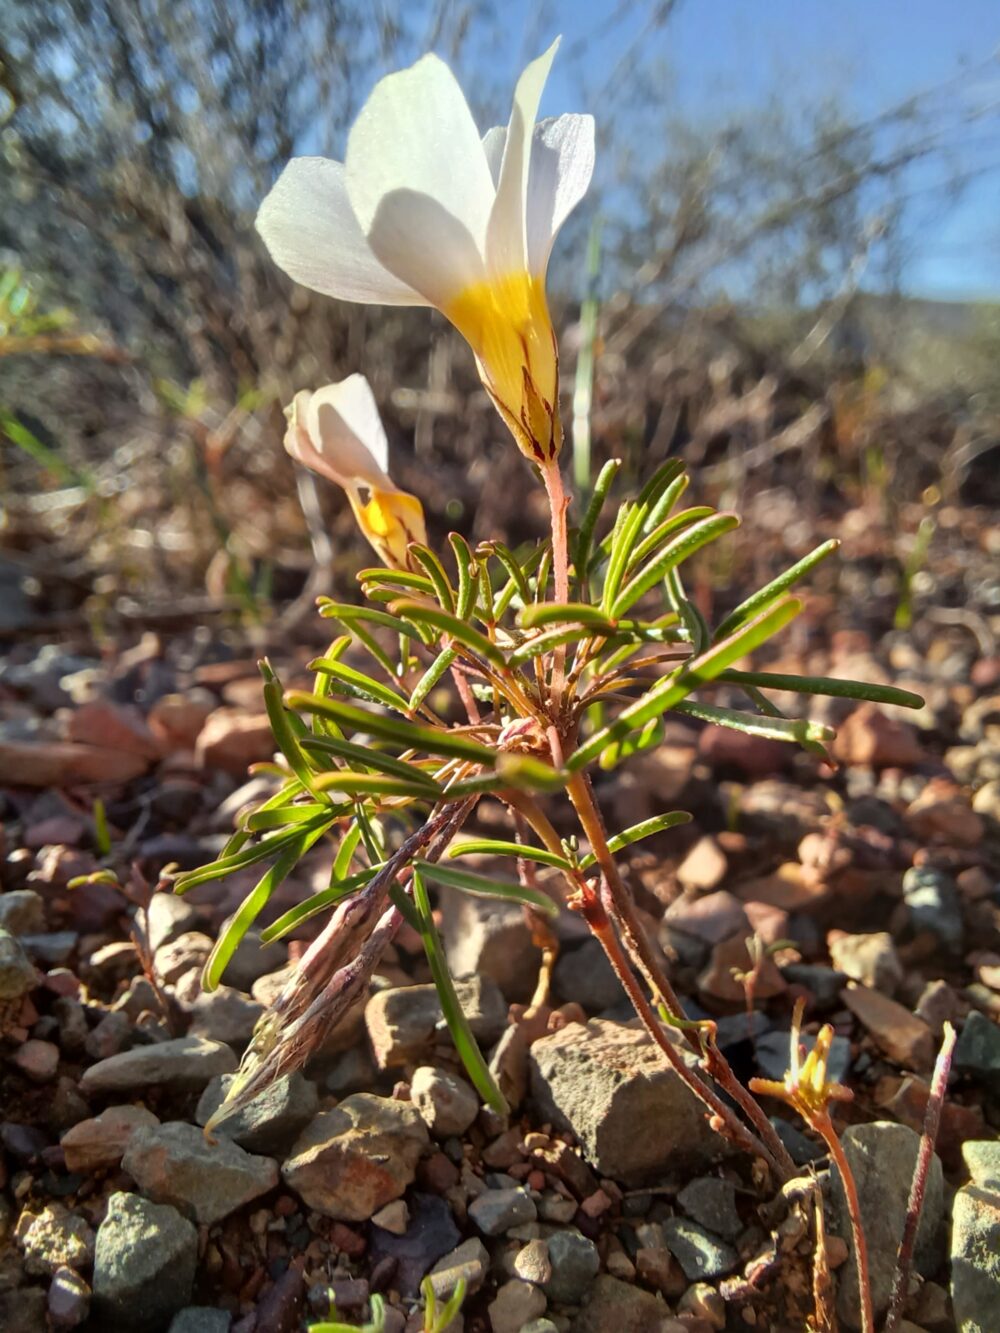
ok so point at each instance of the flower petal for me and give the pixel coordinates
(337, 431)
(416, 238)
(506, 245)
(416, 133)
(562, 163)
(493, 146)
(310, 231)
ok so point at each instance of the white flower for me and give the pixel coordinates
(337, 431)
(424, 212)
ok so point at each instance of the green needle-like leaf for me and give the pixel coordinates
(829, 685)
(679, 550)
(432, 740)
(458, 1025)
(431, 677)
(359, 685)
(423, 616)
(436, 573)
(485, 886)
(799, 730)
(376, 760)
(773, 590)
(339, 889)
(638, 831)
(497, 847)
(585, 536)
(376, 784)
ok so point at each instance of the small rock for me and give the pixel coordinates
(471, 1261)
(121, 727)
(93, 1145)
(882, 1157)
(185, 953)
(603, 1079)
(705, 1303)
(404, 1022)
(37, 1060)
(750, 756)
(975, 1258)
(200, 1319)
(68, 1300)
(574, 1262)
(112, 1035)
(617, 1305)
(62, 764)
(485, 937)
(168, 917)
(904, 1038)
(704, 868)
(824, 984)
(172, 1163)
(584, 976)
(177, 719)
(531, 1263)
(699, 1253)
(977, 1051)
(496, 1211)
(144, 1263)
(351, 1161)
(714, 917)
(867, 738)
(394, 1217)
(943, 814)
(269, 1123)
(870, 959)
(712, 1202)
(17, 976)
(232, 740)
(22, 912)
(933, 905)
(447, 1104)
(430, 1234)
(224, 1014)
(982, 1160)
(938, 1004)
(185, 1064)
(516, 1304)
(54, 1238)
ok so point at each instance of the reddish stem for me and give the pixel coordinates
(824, 1126)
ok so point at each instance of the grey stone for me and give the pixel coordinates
(933, 904)
(975, 1259)
(622, 1307)
(824, 984)
(699, 1253)
(575, 1263)
(253, 960)
(183, 1065)
(174, 1164)
(22, 912)
(871, 959)
(495, 1211)
(712, 1202)
(489, 938)
(224, 1014)
(602, 1080)
(882, 1156)
(982, 1158)
(585, 976)
(268, 1124)
(68, 1299)
(977, 1052)
(405, 1021)
(532, 1264)
(144, 1264)
(200, 1319)
(168, 917)
(447, 1104)
(51, 949)
(351, 1161)
(17, 976)
(54, 1237)
(516, 1304)
(111, 1036)
(471, 1261)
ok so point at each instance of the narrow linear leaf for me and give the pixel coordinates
(436, 573)
(484, 886)
(409, 735)
(510, 562)
(358, 684)
(395, 578)
(345, 852)
(552, 613)
(458, 1025)
(830, 685)
(668, 527)
(638, 831)
(431, 677)
(261, 821)
(773, 590)
(376, 784)
(248, 856)
(665, 502)
(544, 643)
(350, 613)
(797, 730)
(665, 475)
(464, 565)
(669, 693)
(370, 758)
(420, 615)
(339, 889)
(497, 847)
(526, 772)
(677, 551)
(285, 731)
(585, 536)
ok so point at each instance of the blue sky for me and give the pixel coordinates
(727, 54)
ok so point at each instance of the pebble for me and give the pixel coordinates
(111, 1035)
(68, 1299)
(942, 814)
(231, 740)
(167, 918)
(719, 980)
(144, 1263)
(933, 904)
(823, 984)
(531, 1263)
(172, 1163)
(882, 1156)
(497, 1210)
(868, 738)
(713, 917)
(704, 868)
(982, 1160)
(470, 1260)
(224, 1014)
(574, 1262)
(447, 1103)
(269, 1123)
(37, 1060)
(394, 1217)
(621, 1307)
(404, 1022)
(17, 976)
(977, 1051)
(183, 953)
(484, 937)
(69, 1013)
(185, 1064)
(712, 1202)
(53, 1238)
(22, 912)
(904, 1038)
(516, 1304)
(351, 1161)
(699, 1253)
(583, 976)
(601, 1080)
(975, 1258)
(93, 1145)
(871, 959)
